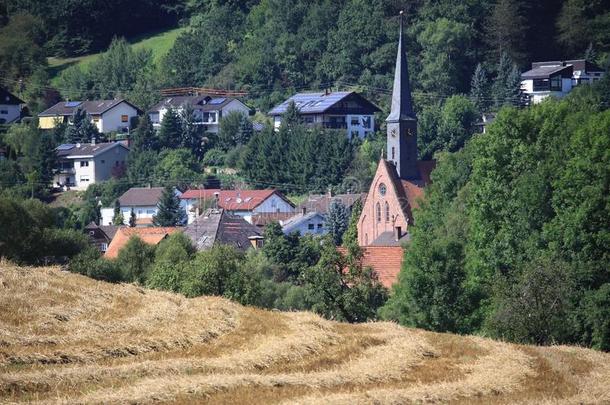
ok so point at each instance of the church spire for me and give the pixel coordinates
(402, 108)
(402, 122)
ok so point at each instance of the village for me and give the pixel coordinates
(294, 201)
(237, 216)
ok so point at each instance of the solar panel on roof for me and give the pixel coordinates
(73, 103)
(65, 146)
(217, 101)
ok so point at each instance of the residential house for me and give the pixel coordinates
(399, 181)
(100, 236)
(262, 219)
(10, 107)
(485, 121)
(107, 115)
(312, 215)
(207, 110)
(142, 200)
(245, 203)
(557, 78)
(82, 164)
(218, 226)
(306, 223)
(151, 236)
(346, 110)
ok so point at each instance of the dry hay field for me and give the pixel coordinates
(65, 338)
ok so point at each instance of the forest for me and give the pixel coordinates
(272, 48)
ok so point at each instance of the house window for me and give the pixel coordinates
(84, 178)
(393, 153)
(140, 212)
(387, 212)
(378, 212)
(103, 247)
(124, 118)
(308, 120)
(310, 226)
(320, 226)
(355, 121)
(150, 212)
(84, 163)
(4, 112)
(541, 84)
(556, 83)
(103, 161)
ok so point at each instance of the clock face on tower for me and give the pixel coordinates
(393, 132)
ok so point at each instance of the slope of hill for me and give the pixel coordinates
(159, 42)
(67, 338)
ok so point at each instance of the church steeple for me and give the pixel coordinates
(401, 93)
(402, 122)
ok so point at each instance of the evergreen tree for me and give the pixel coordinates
(144, 137)
(132, 218)
(506, 88)
(169, 211)
(45, 161)
(117, 219)
(170, 133)
(82, 129)
(479, 89)
(246, 130)
(191, 137)
(337, 221)
(292, 116)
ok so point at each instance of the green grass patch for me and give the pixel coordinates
(160, 42)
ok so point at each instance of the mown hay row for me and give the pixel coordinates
(400, 351)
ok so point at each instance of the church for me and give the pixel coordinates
(398, 183)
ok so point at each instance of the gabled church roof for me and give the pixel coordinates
(402, 105)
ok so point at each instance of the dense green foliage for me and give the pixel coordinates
(513, 238)
(30, 233)
(297, 159)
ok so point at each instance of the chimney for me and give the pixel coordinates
(330, 193)
(397, 233)
(303, 210)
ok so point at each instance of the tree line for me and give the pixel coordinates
(512, 238)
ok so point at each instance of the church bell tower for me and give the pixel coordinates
(402, 122)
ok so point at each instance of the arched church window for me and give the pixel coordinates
(393, 153)
(378, 212)
(387, 212)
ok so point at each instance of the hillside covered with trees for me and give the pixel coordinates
(272, 48)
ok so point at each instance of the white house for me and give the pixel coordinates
(142, 200)
(10, 107)
(244, 203)
(107, 115)
(82, 164)
(312, 223)
(207, 110)
(338, 110)
(557, 78)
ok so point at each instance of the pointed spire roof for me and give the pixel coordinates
(402, 108)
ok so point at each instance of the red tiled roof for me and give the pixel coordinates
(235, 200)
(413, 191)
(384, 260)
(152, 236)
